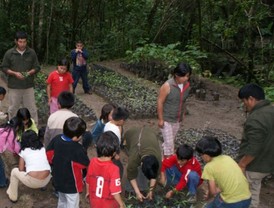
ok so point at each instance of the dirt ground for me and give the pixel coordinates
(225, 114)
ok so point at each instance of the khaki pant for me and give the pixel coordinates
(22, 98)
(255, 180)
(27, 180)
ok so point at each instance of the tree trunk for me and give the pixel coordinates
(40, 25)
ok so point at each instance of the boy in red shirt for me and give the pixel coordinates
(103, 183)
(58, 81)
(181, 170)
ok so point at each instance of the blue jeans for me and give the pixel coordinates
(83, 74)
(219, 203)
(2, 174)
(173, 176)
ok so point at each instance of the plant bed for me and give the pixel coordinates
(123, 91)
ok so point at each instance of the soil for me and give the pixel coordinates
(225, 114)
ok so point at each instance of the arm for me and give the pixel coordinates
(71, 88)
(164, 91)
(48, 93)
(139, 195)
(118, 198)
(87, 190)
(213, 189)
(21, 165)
(244, 161)
(152, 185)
(162, 180)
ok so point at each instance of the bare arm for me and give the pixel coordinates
(87, 190)
(213, 189)
(71, 88)
(18, 75)
(164, 91)
(118, 198)
(49, 92)
(21, 164)
(245, 160)
(152, 186)
(139, 195)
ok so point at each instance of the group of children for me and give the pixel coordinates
(226, 182)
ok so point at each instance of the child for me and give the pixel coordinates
(69, 159)
(118, 117)
(103, 181)
(226, 181)
(27, 123)
(34, 169)
(58, 81)
(8, 142)
(171, 105)
(98, 129)
(181, 170)
(56, 120)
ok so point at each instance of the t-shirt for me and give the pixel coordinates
(104, 181)
(59, 82)
(35, 160)
(113, 128)
(228, 177)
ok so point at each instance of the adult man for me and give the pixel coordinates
(79, 57)
(256, 150)
(20, 63)
(143, 150)
(57, 119)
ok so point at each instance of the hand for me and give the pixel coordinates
(87, 195)
(140, 197)
(149, 195)
(19, 75)
(169, 194)
(162, 179)
(206, 194)
(49, 101)
(160, 123)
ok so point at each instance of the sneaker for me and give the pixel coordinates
(192, 199)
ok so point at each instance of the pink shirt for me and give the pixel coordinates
(8, 141)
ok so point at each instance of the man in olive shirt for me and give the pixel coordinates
(143, 150)
(20, 64)
(256, 150)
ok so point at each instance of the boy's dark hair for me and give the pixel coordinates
(253, 90)
(64, 62)
(21, 35)
(74, 126)
(182, 69)
(41, 133)
(184, 152)
(30, 140)
(24, 114)
(105, 111)
(210, 146)
(107, 144)
(150, 166)
(66, 99)
(2, 91)
(120, 113)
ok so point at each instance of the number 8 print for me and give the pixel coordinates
(99, 187)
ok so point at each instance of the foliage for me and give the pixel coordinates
(269, 91)
(169, 55)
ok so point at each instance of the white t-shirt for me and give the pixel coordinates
(113, 128)
(35, 160)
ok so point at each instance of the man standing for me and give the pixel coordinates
(79, 57)
(256, 150)
(20, 64)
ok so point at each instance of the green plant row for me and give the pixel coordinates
(123, 91)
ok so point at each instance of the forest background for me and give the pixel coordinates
(225, 38)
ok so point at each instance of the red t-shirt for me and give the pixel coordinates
(59, 82)
(191, 165)
(104, 182)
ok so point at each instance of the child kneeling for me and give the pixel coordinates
(181, 170)
(226, 181)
